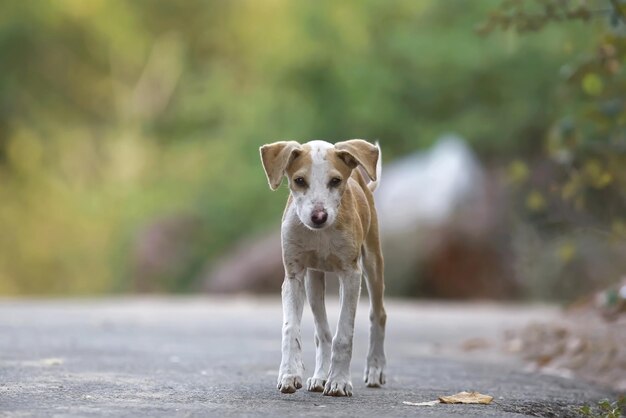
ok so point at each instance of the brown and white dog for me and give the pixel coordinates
(329, 225)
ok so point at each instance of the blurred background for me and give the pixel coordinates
(129, 135)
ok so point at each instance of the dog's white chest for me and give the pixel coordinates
(327, 250)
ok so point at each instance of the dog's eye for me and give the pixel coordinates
(334, 182)
(299, 181)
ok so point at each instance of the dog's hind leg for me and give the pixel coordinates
(374, 273)
(315, 291)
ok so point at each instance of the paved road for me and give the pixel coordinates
(219, 357)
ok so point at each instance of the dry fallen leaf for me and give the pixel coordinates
(467, 397)
(427, 403)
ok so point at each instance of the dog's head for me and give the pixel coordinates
(318, 173)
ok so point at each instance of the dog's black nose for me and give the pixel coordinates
(319, 217)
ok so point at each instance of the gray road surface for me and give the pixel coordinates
(219, 357)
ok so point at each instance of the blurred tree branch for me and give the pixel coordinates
(530, 16)
(617, 9)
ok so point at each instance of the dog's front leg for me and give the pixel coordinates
(339, 383)
(291, 367)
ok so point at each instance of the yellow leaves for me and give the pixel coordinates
(618, 228)
(592, 84)
(517, 172)
(596, 175)
(566, 252)
(571, 189)
(592, 174)
(535, 201)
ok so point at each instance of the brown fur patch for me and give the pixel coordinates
(301, 165)
(344, 170)
(276, 158)
(357, 151)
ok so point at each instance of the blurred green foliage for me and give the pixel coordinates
(605, 409)
(575, 198)
(115, 114)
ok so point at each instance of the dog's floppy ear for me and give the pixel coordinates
(358, 152)
(276, 157)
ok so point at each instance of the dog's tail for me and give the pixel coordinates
(373, 185)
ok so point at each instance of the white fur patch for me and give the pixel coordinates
(318, 195)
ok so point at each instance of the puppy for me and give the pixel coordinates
(329, 225)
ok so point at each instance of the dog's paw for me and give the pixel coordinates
(315, 384)
(289, 383)
(374, 377)
(338, 387)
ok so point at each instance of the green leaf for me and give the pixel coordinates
(592, 84)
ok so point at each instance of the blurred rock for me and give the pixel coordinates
(441, 223)
(164, 252)
(439, 216)
(255, 265)
(425, 188)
